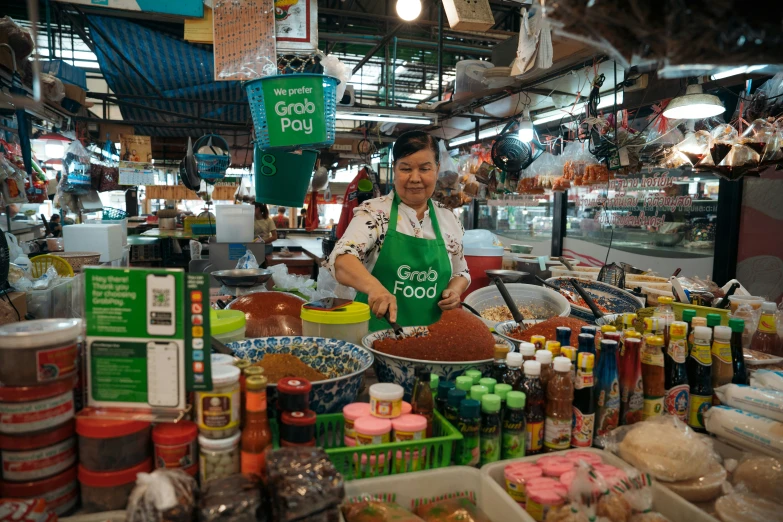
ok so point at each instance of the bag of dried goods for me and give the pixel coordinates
(746, 430)
(452, 510)
(767, 403)
(744, 507)
(231, 499)
(163, 496)
(771, 379)
(761, 475)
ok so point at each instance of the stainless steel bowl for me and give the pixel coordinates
(243, 277)
(507, 276)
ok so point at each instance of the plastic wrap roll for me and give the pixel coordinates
(765, 402)
(745, 429)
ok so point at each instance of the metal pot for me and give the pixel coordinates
(167, 223)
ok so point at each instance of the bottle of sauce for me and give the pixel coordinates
(490, 429)
(469, 425)
(592, 330)
(554, 347)
(513, 374)
(722, 365)
(539, 341)
(499, 366)
(535, 409)
(766, 337)
(442, 399)
(559, 407)
(653, 378)
(695, 322)
(607, 411)
(605, 329)
(514, 426)
(569, 352)
(665, 314)
(628, 323)
(563, 335)
(630, 377)
(737, 355)
(256, 436)
(586, 343)
(547, 372)
(678, 391)
(583, 423)
(687, 317)
(528, 351)
(422, 402)
(456, 396)
(700, 377)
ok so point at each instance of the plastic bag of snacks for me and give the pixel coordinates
(163, 496)
(13, 182)
(376, 508)
(76, 169)
(448, 189)
(231, 499)
(767, 403)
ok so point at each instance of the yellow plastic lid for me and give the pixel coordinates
(351, 314)
(224, 321)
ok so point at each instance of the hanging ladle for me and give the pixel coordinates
(500, 277)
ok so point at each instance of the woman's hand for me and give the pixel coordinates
(381, 301)
(450, 299)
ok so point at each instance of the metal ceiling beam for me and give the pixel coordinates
(383, 41)
(408, 42)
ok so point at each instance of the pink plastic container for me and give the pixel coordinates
(351, 412)
(372, 430)
(590, 458)
(406, 408)
(556, 468)
(409, 427)
(517, 479)
(541, 499)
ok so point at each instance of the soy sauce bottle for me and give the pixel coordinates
(513, 375)
(583, 420)
(678, 391)
(700, 377)
(586, 344)
(737, 356)
(535, 408)
(442, 398)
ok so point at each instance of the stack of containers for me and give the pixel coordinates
(218, 414)
(297, 420)
(37, 443)
(111, 454)
(175, 446)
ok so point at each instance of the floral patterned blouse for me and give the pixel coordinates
(367, 230)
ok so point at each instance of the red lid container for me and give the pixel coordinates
(111, 479)
(37, 488)
(298, 418)
(108, 429)
(168, 434)
(40, 440)
(35, 393)
(294, 386)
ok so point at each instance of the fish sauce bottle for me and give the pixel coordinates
(583, 416)
(677, 389)
(737, 355)
(700, 377)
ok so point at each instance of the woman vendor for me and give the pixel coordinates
(402, 253)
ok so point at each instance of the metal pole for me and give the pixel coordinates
(440, 51)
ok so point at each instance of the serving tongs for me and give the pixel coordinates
(587, 298)
(397, 328)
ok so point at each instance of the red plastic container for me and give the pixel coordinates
(479, 260)
(176, 446)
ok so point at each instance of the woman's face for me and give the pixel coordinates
(415, 177)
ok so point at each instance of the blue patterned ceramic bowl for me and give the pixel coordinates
(343, 362)
(616, 301)
(506, 327)
(399, 370)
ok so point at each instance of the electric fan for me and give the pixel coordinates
(511, 155)
(188, 170)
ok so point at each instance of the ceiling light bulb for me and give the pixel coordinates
(408, 9)
(694, 105)
(526, 128)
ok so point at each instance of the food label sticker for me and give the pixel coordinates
(557, 433)
(582, 429)
(56, 363)
(722, 351)
(676, 401)
(678, 350)
(652, 356)
(701, 352)
(20, 466)
(698, 406)
(174, 457)
(513, 444)
(26, 417)
(653, 407)
(253, 463)
(534, 436)
(218, 411)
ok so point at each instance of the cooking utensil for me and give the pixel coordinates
(470, 309)
(512, 276)
(724, 303)
(243, 277)
(677, 272)
(219, 347)
(589, 300)
(678, 291)
(397, 328)
(566, 263)
(550, 285)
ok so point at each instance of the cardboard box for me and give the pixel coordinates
(469, 15)
(75, 93)
(7, 313)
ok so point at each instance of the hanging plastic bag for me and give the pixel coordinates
(247, 261)
(448, 190)
(13, 186)
(163, 496)
(76, 169)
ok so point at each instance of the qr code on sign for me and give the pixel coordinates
(161, 297)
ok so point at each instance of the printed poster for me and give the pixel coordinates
(136, 160)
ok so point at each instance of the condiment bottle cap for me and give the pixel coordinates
(425, 375)
(489, 382)
(608, 328)
(473, 374)
(628, 319)
(456, 396)
(688, 315)
(651, 324)
(469, 408)
(515, 399)
(444, 387)
(586, 361)
(478, 391)
(514, 360)
(501, 351)
(702, 332)
(654, 340)
(713, 320)
(723, 333)
(562, 364)
(562, 329)
(632, 334)
(242, 364)
(665, 300)
(252, 371)
(297, 386)
(586, 338)
(434, 380)
(527, 349)
(678, 329)
(608, 344)
(256, 382)
(533, 368)
(544, 356)
(766, 306)
(490, 403)
(553, 346)
(737, 325)
(502, 390)
(588, 330)
(464, 383)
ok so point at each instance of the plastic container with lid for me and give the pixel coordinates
(30, 409)
(349, 323)
(386, 400)
(372, 430)
(541, 499)
(478, 391)
(112, 445)
(475, 375)
(517, 478)
(409, 427)
(39, 456)
(227, 325)
(293, 394)
(218, 411)
(109, 490)
(61, 492)
(351, 412)
(222, 359)
(38, 352)
(176, 447)
(218, 457)
(405, 408)
(297, 427)
(557, 468)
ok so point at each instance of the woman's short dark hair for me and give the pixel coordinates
(412, 142)
(263, 209)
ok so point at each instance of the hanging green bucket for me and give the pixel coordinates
(282, 178)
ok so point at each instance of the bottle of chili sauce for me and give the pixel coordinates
(256, 435)
(559, 407)
(630, 375)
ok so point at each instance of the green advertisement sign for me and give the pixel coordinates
(295, 111)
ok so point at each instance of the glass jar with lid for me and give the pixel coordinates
(218, 411)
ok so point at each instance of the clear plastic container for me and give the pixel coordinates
(227, 325)
(234, 223)
(218, 411)
(350, 323)
(109, 491)
(218, 458)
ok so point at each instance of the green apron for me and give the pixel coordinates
(415, 270)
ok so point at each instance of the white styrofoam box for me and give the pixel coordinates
(106, 239)
(667, 503)
(496, 504)
(122, 222)
(234, 223)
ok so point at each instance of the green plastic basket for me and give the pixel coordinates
(701, 311)
(380, 460)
